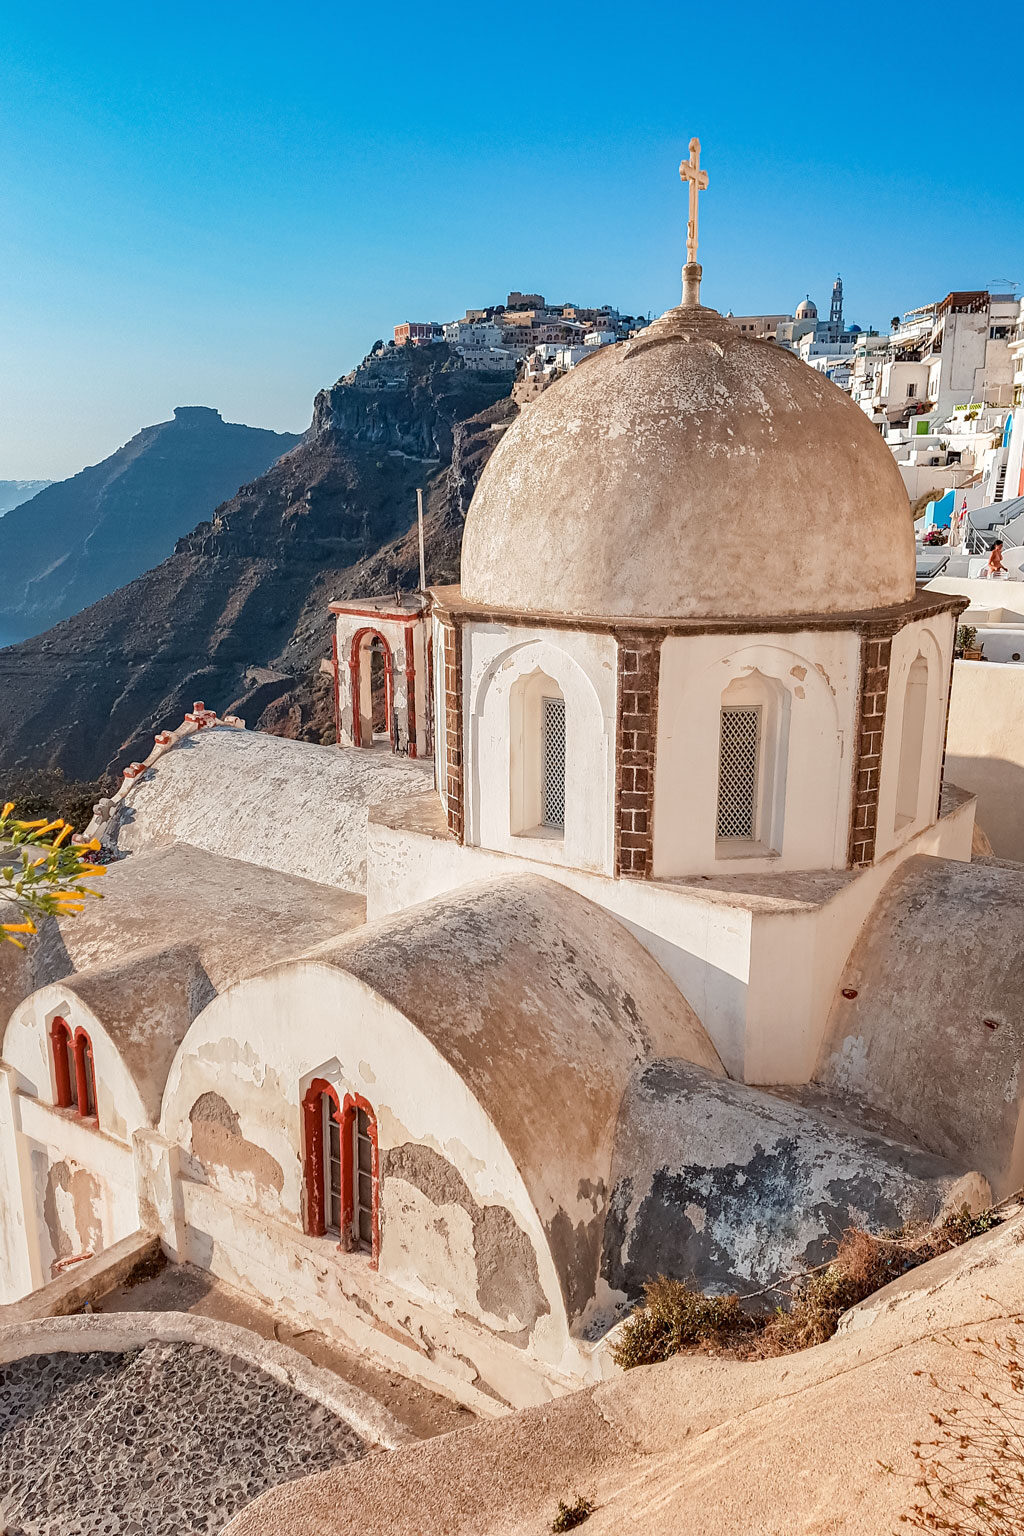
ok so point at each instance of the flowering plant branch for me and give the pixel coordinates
(49, 873)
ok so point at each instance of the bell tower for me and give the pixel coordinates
(835, 318)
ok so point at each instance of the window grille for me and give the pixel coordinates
(553, 765)
(738, 771)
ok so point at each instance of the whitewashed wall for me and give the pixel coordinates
(819, 673)
(759, 971)
(496, 661)
(933, 640)
(257, 1047)
(67, 1186)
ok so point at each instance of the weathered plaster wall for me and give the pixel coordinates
(492, 1033)
(285, 805)
(448, 1186)
(211, 919)
(67, 1189)
(406, 639)
(500, 749)
(731, 1189)
(176, 924)
(758, 960)
(926, 1030)
(67, 1185)
(817, 672)
(985, 748)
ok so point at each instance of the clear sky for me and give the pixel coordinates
(225, 204)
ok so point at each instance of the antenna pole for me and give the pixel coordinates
(419, 521)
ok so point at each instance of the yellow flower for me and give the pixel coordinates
(8, 808)
(26, 927)
(63, 835)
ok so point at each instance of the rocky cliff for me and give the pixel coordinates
(237, 615)
(81, 538)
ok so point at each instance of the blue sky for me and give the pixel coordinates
(226, 203)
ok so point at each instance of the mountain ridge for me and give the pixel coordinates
(80, 538)
(237, 614)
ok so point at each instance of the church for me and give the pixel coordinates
(659, 947)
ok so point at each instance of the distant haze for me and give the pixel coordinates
(14, 492)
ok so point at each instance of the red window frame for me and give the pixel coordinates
(74, 1095)
(344, 1113)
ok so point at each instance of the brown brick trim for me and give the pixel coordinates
(636, 725)
(875, 655)
(450, 605)
(452, 648)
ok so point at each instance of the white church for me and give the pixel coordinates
(658, 948)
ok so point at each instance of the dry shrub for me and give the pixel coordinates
(862, 1265)
(970, 1476)
(571, 1515)
(675, 1318)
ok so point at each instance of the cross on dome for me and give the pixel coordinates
(690, 171)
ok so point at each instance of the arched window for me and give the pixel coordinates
(85, 1074)
(74, 1072)
(63, 1048)
(753, 741)
(537, 746)
(915, 708)
(341, 1169)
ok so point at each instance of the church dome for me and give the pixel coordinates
(692, 472)
(807, 309)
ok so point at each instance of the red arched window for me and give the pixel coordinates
(85, 1075)
(74, 1074)
(341, 1169)
(63, 1048)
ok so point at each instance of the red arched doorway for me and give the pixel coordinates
(371, 670)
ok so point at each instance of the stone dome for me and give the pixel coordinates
(806, 309)
(692, 472)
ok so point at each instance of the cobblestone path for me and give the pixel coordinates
(167, 1440)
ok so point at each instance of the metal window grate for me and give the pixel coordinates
(553, 764)
(737, 771)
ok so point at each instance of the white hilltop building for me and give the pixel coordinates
(662, 954)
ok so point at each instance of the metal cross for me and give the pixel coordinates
(690, 171)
